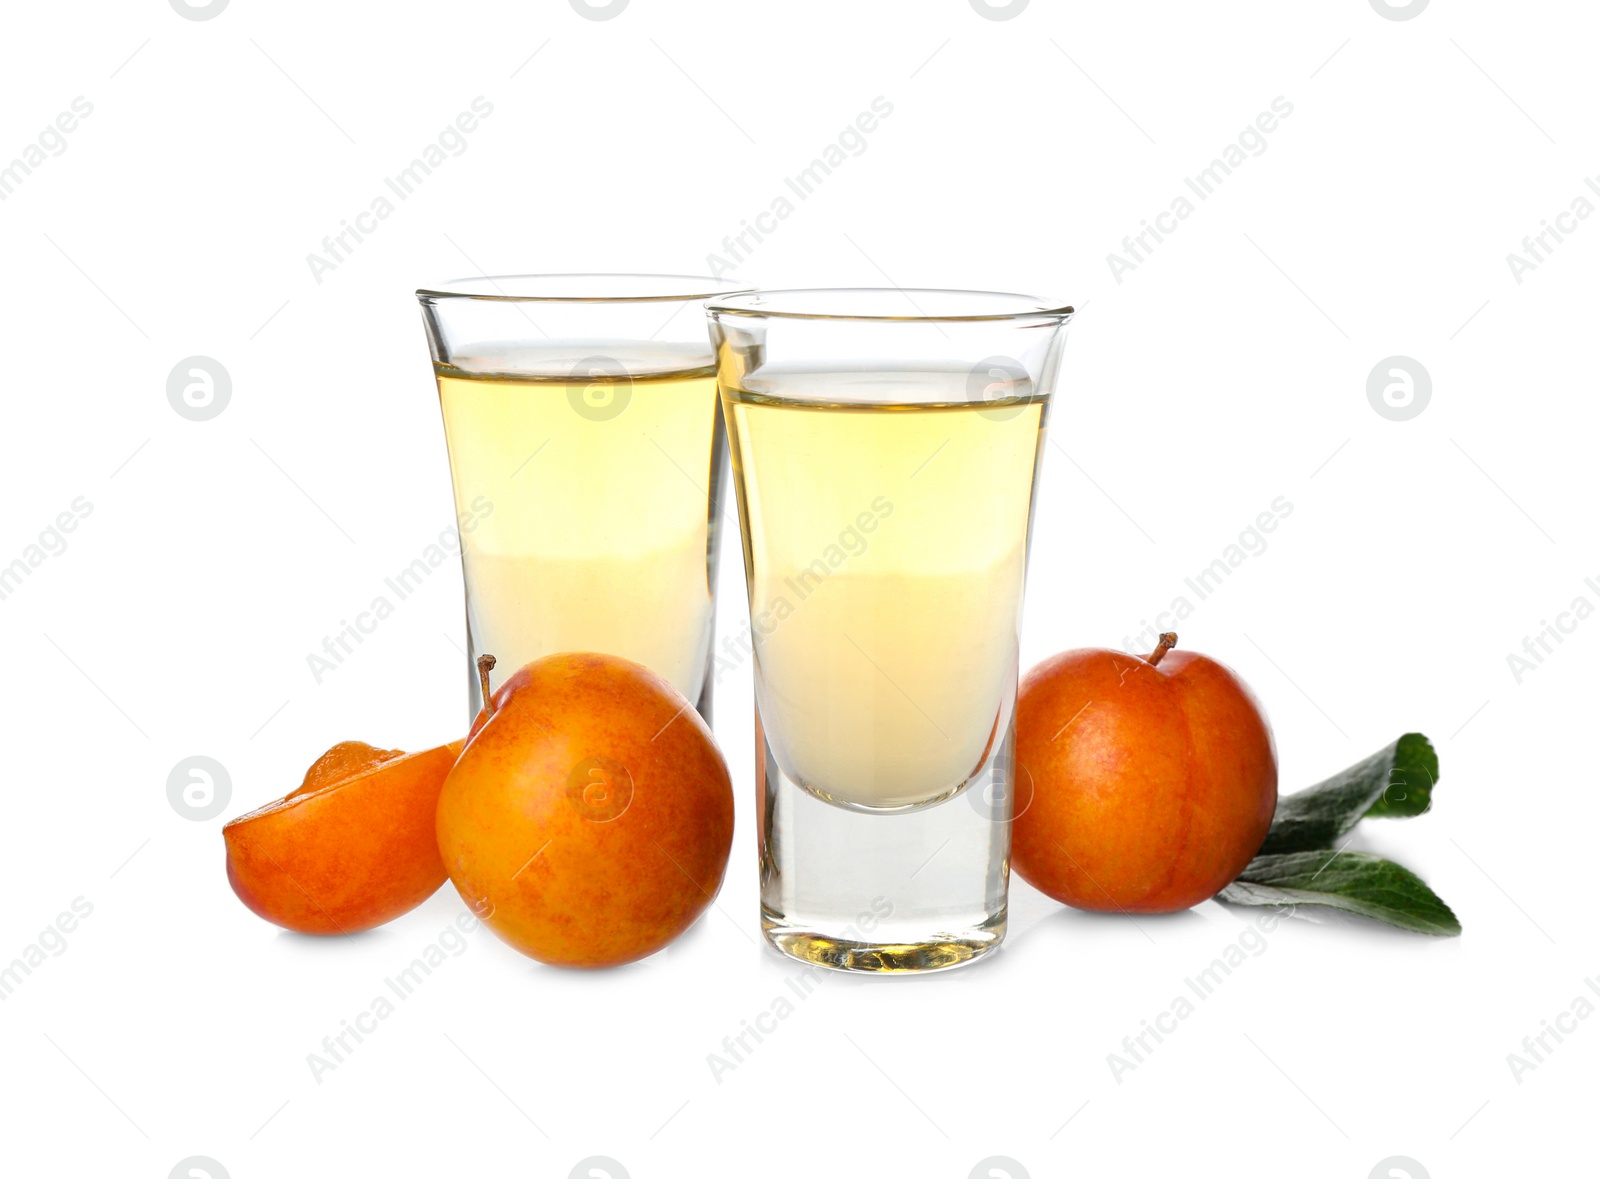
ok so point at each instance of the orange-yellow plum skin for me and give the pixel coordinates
(589, 820)
(1152, 785)
(351, 848)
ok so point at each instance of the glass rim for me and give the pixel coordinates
(569, 288)
(763, 304)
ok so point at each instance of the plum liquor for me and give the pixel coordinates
(885, 446)
(586, 455)
(600, 525)
(860, 707)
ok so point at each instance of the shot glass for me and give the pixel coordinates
(885, 447)
(587, 454)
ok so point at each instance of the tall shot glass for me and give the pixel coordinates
(885, 445)
(587, 454)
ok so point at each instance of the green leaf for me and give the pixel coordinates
(1353, 881)
(1394, 783)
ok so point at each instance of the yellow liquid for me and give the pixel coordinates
(885, 549)
(599, 535)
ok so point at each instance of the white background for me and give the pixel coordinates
(1228, 369)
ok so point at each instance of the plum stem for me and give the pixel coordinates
(485, 666)
(1168, 641)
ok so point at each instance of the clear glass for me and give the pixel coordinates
(885, 445)
(586, 453)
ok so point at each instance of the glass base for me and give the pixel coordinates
(940, 953)
(887, 892)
